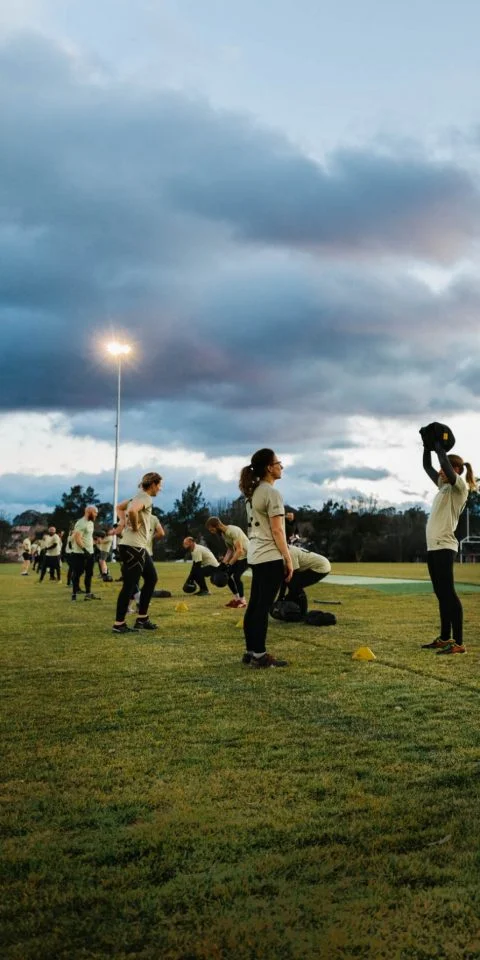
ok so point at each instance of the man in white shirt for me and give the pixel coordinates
(53, 549)
(82, 557)
(203, 565)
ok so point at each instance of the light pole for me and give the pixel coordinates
(117, 350)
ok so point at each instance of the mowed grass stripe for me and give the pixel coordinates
(161, 801)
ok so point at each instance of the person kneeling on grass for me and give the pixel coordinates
(308, 568)
(442, 544)
(235, 558)
(135, 528)
(203, 565)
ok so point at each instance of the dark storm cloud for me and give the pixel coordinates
(194, 230)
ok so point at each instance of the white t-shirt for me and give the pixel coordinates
(234, 534)
(139, 538)
(105, 544)
(26, 545)
(266, 502)
(85, 527)
(154, 524)
(53, 545)
(306, 560)
(204, 556)
(445, 513)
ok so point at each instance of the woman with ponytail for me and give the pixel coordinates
(442, 545)
(268, 553)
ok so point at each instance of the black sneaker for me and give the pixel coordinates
(267, 661)
(74, 596)
(144, 623)
(247, 658)
(202, 593)
(122, 628)
(437, 644)
(91, 596)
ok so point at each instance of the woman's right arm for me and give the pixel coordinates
(278, 534)
(428, 467)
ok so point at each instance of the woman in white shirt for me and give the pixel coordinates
(268, 553)
(442, 545)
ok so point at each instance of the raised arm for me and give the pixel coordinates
(445, 464)
(428, 467)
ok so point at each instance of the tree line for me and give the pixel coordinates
(359, 530)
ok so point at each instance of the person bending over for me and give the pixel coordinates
(134, 526)
(268, 553)
(203, 565)
(442, 544)
(235, 558)
(308, 568)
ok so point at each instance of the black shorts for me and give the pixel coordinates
(27, 556)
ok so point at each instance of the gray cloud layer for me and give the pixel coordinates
(264, 291)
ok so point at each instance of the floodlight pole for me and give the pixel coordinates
(117, 444)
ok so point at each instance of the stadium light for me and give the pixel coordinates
(117, 350)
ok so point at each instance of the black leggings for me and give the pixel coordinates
(136, 563)
(440, 567)
(266, 581)
(235, 577)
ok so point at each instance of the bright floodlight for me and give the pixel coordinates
(118, 349)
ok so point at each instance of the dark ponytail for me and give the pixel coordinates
(254, 473)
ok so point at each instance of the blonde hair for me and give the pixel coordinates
(458, 463)
(148, 479)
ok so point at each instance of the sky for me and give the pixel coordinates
(276, 204)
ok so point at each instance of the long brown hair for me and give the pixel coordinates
(457, 462)
(254, 472)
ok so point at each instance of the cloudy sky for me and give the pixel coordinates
(276, 203)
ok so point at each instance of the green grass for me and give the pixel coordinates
(160, 801)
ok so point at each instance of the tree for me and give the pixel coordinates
(5, 534)
(77, 499)
(188, 518)
(72, 507)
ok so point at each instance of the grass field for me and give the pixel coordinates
(160, 801)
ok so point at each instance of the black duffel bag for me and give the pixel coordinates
(286, 610)
(437, 433)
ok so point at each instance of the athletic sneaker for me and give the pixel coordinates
(437, 644)
(241, 603)
(267, 661)
(74, 596)
(452, 648)
(233, 602)
(247, 658)
(202, 593)
(91, 596)
(144, 623)
(122, 628)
